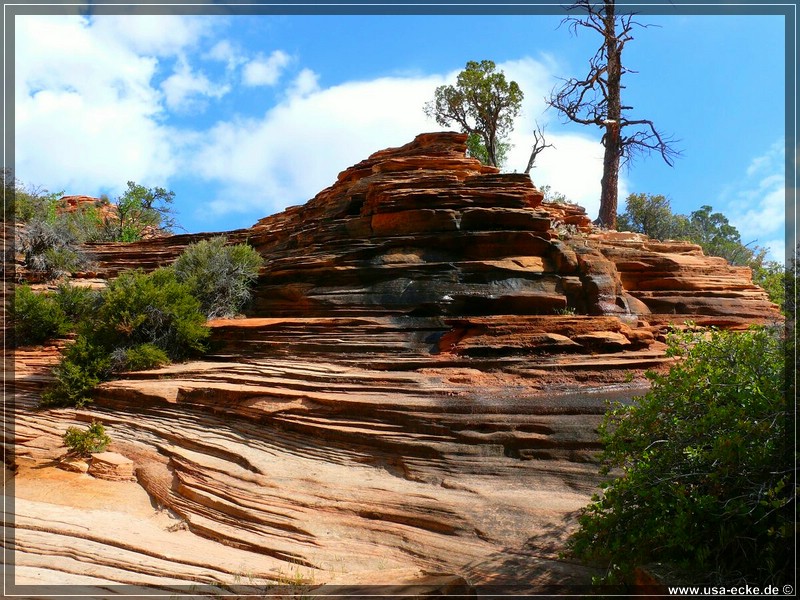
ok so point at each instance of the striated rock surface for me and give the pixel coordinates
(411, 399)
(421, 231)
(111, 466)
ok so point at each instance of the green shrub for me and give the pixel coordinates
(77, 302)
(143, 357)
(152, 308)
(37, 317)
(31, 202)
(706, 467)
(219, 276)
(82, 367)
(143, 321)
(86, 223)
(63, 261)
(86, 441)
(140, 210)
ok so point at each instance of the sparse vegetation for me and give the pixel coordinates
(28, 203)
(653, 216)
(220, 276)
(143, 321)
(566, 231)
(705, 467)
(50, 248)
(551, 195)
(86, 441)
(50, 232)
(140, 210)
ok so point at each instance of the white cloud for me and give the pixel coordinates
(184, 85)
(757, 204)
(573, 167)
(265, 70)
(154, 35)
(298, 147)
(767, 162)
(306, 82)
(91, 116)
(87, 115)
(223, 51)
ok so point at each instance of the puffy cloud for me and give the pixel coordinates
(573, 167)
(766, 163)
(304, 84)
(91, 115)
(298, 147)
(154, 35)
(757, 205)
(265, 70)
(184, 85)
(224, 51)
(87, 116)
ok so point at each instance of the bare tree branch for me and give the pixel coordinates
(596, 99)
(539, 144)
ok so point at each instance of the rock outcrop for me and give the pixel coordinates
(415, 389)
(111, 466)
(423, 231)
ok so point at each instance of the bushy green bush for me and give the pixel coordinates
(142, 357)
(219, 276)
(77, 302)
(706, 467)
(151, 308)
(143, 321)
(37, 317)
(86, 441)
(83, 366)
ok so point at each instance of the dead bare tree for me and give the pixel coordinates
(596, 100)
(539, 144)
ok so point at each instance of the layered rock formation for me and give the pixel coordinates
(414, 391)
(422, 231)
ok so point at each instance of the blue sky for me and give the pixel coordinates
(242, 116)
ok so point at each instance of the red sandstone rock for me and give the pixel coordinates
(407, 393)
(423, 230)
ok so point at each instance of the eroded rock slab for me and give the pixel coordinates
(111, 466)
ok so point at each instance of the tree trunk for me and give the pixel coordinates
(610, 182)
(611, 156)
(491, 149)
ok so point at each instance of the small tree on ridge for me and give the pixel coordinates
(483, 104)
